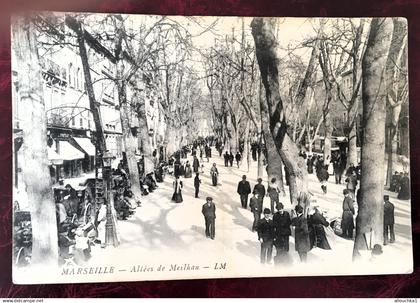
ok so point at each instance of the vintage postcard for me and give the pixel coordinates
(166, 147)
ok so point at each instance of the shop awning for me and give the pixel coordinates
(86, 145)
(68, 152)
(53, 157)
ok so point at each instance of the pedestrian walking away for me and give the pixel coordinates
(209, 212)
(260, 189)
(389, 235)
(244, 189)
(273, 192)
(256, 209)
(302, 244)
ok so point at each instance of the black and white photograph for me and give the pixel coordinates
(149, 147)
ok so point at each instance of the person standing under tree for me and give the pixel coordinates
(266, 236)
(389, 235)
(214, 174)
(273, 192)
(260, 189)
(244, 189)
(256, 209)
(209, 212)
(302, 243)
(197, 183)
(347, 223)
(281, 223)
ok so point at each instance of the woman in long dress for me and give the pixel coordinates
(177, 196)
(188, 171)
(317, 235)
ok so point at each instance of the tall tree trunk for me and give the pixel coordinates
(352, 141)
(144, 137)
(369, 222)
(265, 42)
(33, 152)
(327, 135)
(275, 164)
(245, 154)
(129, 141)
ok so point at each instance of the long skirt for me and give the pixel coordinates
(177, 197)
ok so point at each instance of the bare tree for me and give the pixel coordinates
(369, 222)
(33, 151)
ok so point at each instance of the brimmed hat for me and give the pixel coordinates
(267, 211)
(209, 199)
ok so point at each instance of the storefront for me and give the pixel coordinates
(85, 145)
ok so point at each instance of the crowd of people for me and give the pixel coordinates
(274, 224)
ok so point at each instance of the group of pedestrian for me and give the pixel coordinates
(400, 183)
(229, 158)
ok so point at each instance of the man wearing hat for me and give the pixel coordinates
(266, 236)
(260, 190)
(209, 212)
(281, 223)
(347, 223)
(244, 189)
(256, 209)
(389, 235)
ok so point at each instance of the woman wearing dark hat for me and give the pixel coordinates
(302, 244)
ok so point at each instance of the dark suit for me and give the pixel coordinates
(256, 209)
(302, 244)
(244, 189)
(260, 189)
(209, 212)
(197, 182)
(389, 222)
(282, 231)
(266, 234)
(347, 224)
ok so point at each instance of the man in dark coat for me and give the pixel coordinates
(302, 244)
(244, 189)
(265, 230)
(260, 189)
(209, 212)
(231, 158)
(226, 158)
(389, 235)
(256, 209)
(281, 222)
(352, 182)
(317, 236)
(197, 183)
(196, 164)
(322, 174)
(347, 223)
(238, 158)
(404, 193)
